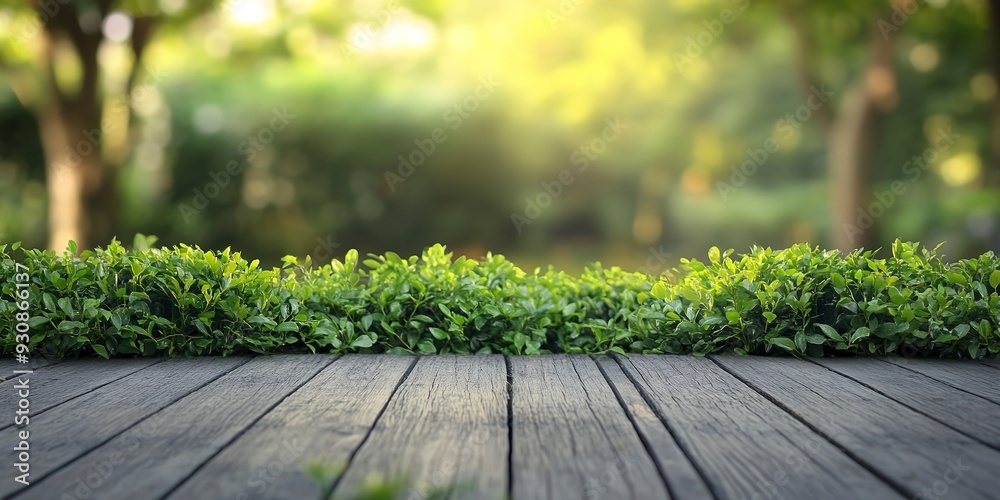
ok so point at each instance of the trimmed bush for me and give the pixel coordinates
(801, 300)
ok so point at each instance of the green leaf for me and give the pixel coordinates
(956, 278)
(838, 281)
(438, 333)
(659, 290)
(49, 302)
(287, 326)
(815, 339)
(962, 330)
(973, 351)
(261, 320)
(769, 316)
(427, 347)
(66, 306)
(36, 321)
(783, 342)
(68, 326)
(860, 333)
(800, 341)
(733, 316)
(362, 342)
(423, 318)
(995, 279)
(714, 255)
(100, 350)
(830, 332)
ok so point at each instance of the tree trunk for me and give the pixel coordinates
(70, 132)
(64, 182)
(851, 140)
(992, 174)
(848, 154)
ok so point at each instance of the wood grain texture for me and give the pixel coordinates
(642, 426)
(571, 437)
(994, 363)
(744, 445)
(149, 459)
(446, 425)
(59, 383)
(683, 480)
(983, 381)
(911, 450)
(324, 422)
(70, 430)
(973, 416)
(7, 366)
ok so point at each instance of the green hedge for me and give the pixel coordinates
(802, 300)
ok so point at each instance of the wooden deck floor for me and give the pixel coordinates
(525, 427)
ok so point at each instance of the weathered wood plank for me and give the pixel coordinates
(64, 381)
(914, 452)
(994, 363)
(968, 376)
(744, 445)
(149, 459)
(683, 480)
(7, 366)
(323, 422)
(971, 415)
(571, 437)
(445, 426)
(70, 430)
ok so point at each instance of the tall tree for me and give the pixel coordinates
(63, 41)
(852, 128)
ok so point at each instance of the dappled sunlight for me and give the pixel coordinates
(519, 126)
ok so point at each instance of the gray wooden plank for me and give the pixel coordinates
(744, 445)
(683, 480)
(966, 375)
(323, 422)
(445, 426)
(971, 415)
(149, 459)
(71, 429)
(64, 381)
(571, 438)
(916, 453)
(994, 363)
(8, 365)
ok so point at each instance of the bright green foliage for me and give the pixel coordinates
(802, 300)
(376, 487)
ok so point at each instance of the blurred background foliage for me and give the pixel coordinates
(177, 87)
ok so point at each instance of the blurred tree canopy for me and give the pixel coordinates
(296, 126)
